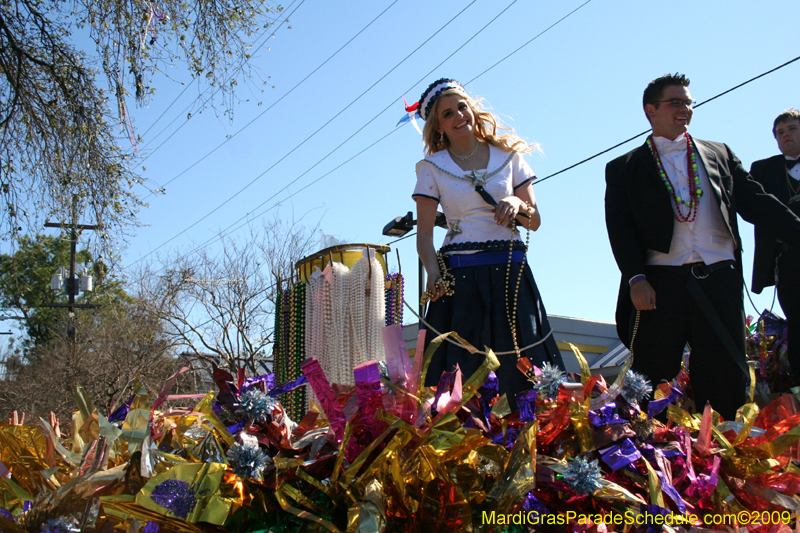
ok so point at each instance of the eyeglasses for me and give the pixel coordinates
(680, 102)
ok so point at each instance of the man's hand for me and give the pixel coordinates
(643, 296)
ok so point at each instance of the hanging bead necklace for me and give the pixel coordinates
(511, 312)
(469, 157)
(693, 177)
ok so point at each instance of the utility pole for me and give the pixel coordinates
(73, 284)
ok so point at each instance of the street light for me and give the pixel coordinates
(400, 226)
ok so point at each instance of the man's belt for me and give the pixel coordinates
(482, 258)
(700, 270)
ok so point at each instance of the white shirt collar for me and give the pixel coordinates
(666, 146)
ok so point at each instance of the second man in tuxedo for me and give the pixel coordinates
(776, 262)
(671, 214)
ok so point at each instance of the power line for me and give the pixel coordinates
(278, 100)
(191, 82)
(391, 104)
(223, 232)
(312, 135)
(218, 89)
(598, 154)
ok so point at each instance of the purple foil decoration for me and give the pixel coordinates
(236, 428)
(620, 454)
(490, 387)
(526, 403)
(175, 496)
(312, 370)
(656, 406)
(604, 416)
(286, 387)
(397, 360)
(368, 389)
(26, 505)
(445, 384)
(121, 412)
(773, 324)
(152, 527)
(649, 512)
(267, 379)
(669, 490)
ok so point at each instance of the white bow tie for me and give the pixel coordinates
(671, 147)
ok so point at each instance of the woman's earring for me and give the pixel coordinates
(441, 137)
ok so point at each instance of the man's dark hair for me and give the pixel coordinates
(786, 116)
(655, 89)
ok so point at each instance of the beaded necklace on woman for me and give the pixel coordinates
(693, 177)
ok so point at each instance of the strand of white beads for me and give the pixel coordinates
(340, 303)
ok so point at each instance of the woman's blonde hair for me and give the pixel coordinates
(486, 126)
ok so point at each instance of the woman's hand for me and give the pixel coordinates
(434, 285)
(507, 210)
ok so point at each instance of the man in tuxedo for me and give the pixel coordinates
(777, 262)
(671, 215)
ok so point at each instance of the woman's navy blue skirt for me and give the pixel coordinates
(477, 312)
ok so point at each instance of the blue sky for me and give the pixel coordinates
(576, 90)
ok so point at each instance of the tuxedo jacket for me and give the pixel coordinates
(772, 175)
(639, 215)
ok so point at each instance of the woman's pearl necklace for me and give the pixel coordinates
(469, 157)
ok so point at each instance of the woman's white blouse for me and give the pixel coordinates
(469, 217)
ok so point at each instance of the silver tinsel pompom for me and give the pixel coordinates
(247, 459)
(636, 387)
(583, 476)
(548, 381)
(255, 405)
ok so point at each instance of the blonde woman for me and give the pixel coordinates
(486, 293)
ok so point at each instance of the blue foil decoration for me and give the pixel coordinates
(583, 476)
(636, 387)
(548, 381)
(175, 496)
(255, 405)
(247, 460)
(152, 527)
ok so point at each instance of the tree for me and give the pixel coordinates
(25, 286)
(219, 308)
(56, 125)
(118, 345)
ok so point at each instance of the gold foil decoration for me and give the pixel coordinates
(519, 476)
(580, 423)
(136, 425)
(204, 479)
(117, 509)
(586, 374)
(205, 406)
(305, 515)
(614, 390)
(772, 448)
(682, 418)
(748, 413)
(12, 496)
(372, 510)
(653, 485)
